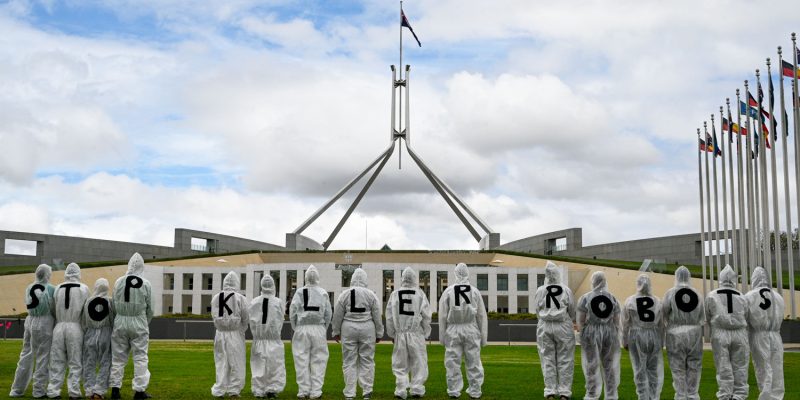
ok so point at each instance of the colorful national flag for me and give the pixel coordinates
(716, 148)
(703, 145)
(733, 127)
(789, 71)
(744, 109)
(404, 22)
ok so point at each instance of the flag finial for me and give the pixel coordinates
(728, 99)
(780, 51)
(768, 64)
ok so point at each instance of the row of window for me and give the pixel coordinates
(502, 282)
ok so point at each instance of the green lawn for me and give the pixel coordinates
(186, 371)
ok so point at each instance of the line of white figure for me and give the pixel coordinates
(87, 328)
(92, 335)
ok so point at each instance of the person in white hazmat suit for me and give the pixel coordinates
(765, 316)
(67, 346)
(34, 358)
(357, 324)
(598, 322)
(554, 305)
(726, 311)
(683, 315)
(97, 321)
(229, 311)
(643, 337)
(310, 315)
(133, 310)
(408, 323)
(267, 364)
(463, 330)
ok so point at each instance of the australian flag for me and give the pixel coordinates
(404, 22)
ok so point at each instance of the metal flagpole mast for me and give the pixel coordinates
(400, 93)
(796, 119)
(752, 228)
(702, 223)
(764, 185)
(716, 199)
(733, 250)
(724, 190)
(739, 187)
(776, 223)
(708, 212)
(786, 196)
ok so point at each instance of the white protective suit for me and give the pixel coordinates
(726, 311)
(554, 305)
(229, 311)
(133, 310)
(267, 364)
(357, 320)
(598, 321)
(38, 336)
(68, 335)
(408, 323)
(97, 321)
(764, 319)
(643, 336)
(683, 314)
(463, 330)
(310, 315)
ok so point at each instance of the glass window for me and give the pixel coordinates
(483, 282)
(441, 283)
(522, 304)
(169, 281)
(522, 282)
(539, 280)
(276, 277)
(502, 281)
(502, 304)
(208, 281)
(347, 272)
(388, 284)
(188, 281)
(425, 282)
(166, 303)
(242, 281)
(205, 304)
(291, 285)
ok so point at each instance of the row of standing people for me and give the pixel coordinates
(741, 324)
(356, 322)
(90, 335)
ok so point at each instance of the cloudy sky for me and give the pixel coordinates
(125, 119)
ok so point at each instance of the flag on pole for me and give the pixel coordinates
(789, 71)
(715, 146)
(404, 22)
(734, 127)
(744, 109)
(703, 146)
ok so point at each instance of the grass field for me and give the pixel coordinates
(186, 371)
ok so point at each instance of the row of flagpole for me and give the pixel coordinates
(750, 197)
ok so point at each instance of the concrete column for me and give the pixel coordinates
(177, 298)
(282, 290)
(492, 292)
(196, 296)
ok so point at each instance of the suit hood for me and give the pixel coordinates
(359, 278)
(643, 287)
(727, 278)
(552, 274)
(312, 276)
(462, 274)
(72, 273)
(759, 278)
(409, 278)
(231, 282)
(101, 287)
(599, 281)
(135, 265)
(267, 286)
(683, 277)
(43, 273)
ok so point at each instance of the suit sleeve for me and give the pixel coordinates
(338, 313)
(425, 311)
(482, 320)
(391, 306)
(376, 316)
